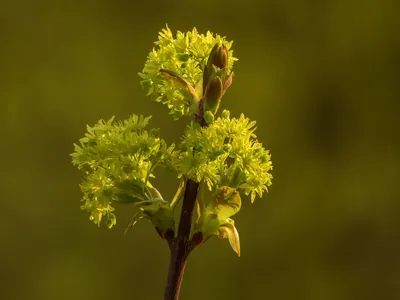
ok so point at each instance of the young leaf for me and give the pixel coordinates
(228, 231)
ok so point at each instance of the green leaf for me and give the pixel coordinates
(227, 203)
(224, 204)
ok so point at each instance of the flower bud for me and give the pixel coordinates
(225, 114)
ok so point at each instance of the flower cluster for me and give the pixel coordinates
(118, 159)
(226, 153)
(190, 73)
(173, 72)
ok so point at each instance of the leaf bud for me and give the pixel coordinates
(209, 117)
(218, 56)
(213, 94)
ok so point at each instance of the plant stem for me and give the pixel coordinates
(181, 245)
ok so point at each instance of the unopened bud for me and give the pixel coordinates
(213, 94)
(165, 234)
(225, 114)
(218, 56)
(209, 117)
(197, 238)
(169, 235)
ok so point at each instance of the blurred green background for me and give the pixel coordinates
(320, 77)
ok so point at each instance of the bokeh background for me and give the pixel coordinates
(320, 77)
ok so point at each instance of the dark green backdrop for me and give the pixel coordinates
(320, 77)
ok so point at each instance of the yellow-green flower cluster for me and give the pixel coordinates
(226, 153)
(118, 158)
(190, 73)
(186, 56)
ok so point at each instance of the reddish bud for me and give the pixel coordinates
(167, 234)
(213, 94)
(197, 238)
(218, 56)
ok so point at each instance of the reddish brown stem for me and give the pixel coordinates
(181, 245)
